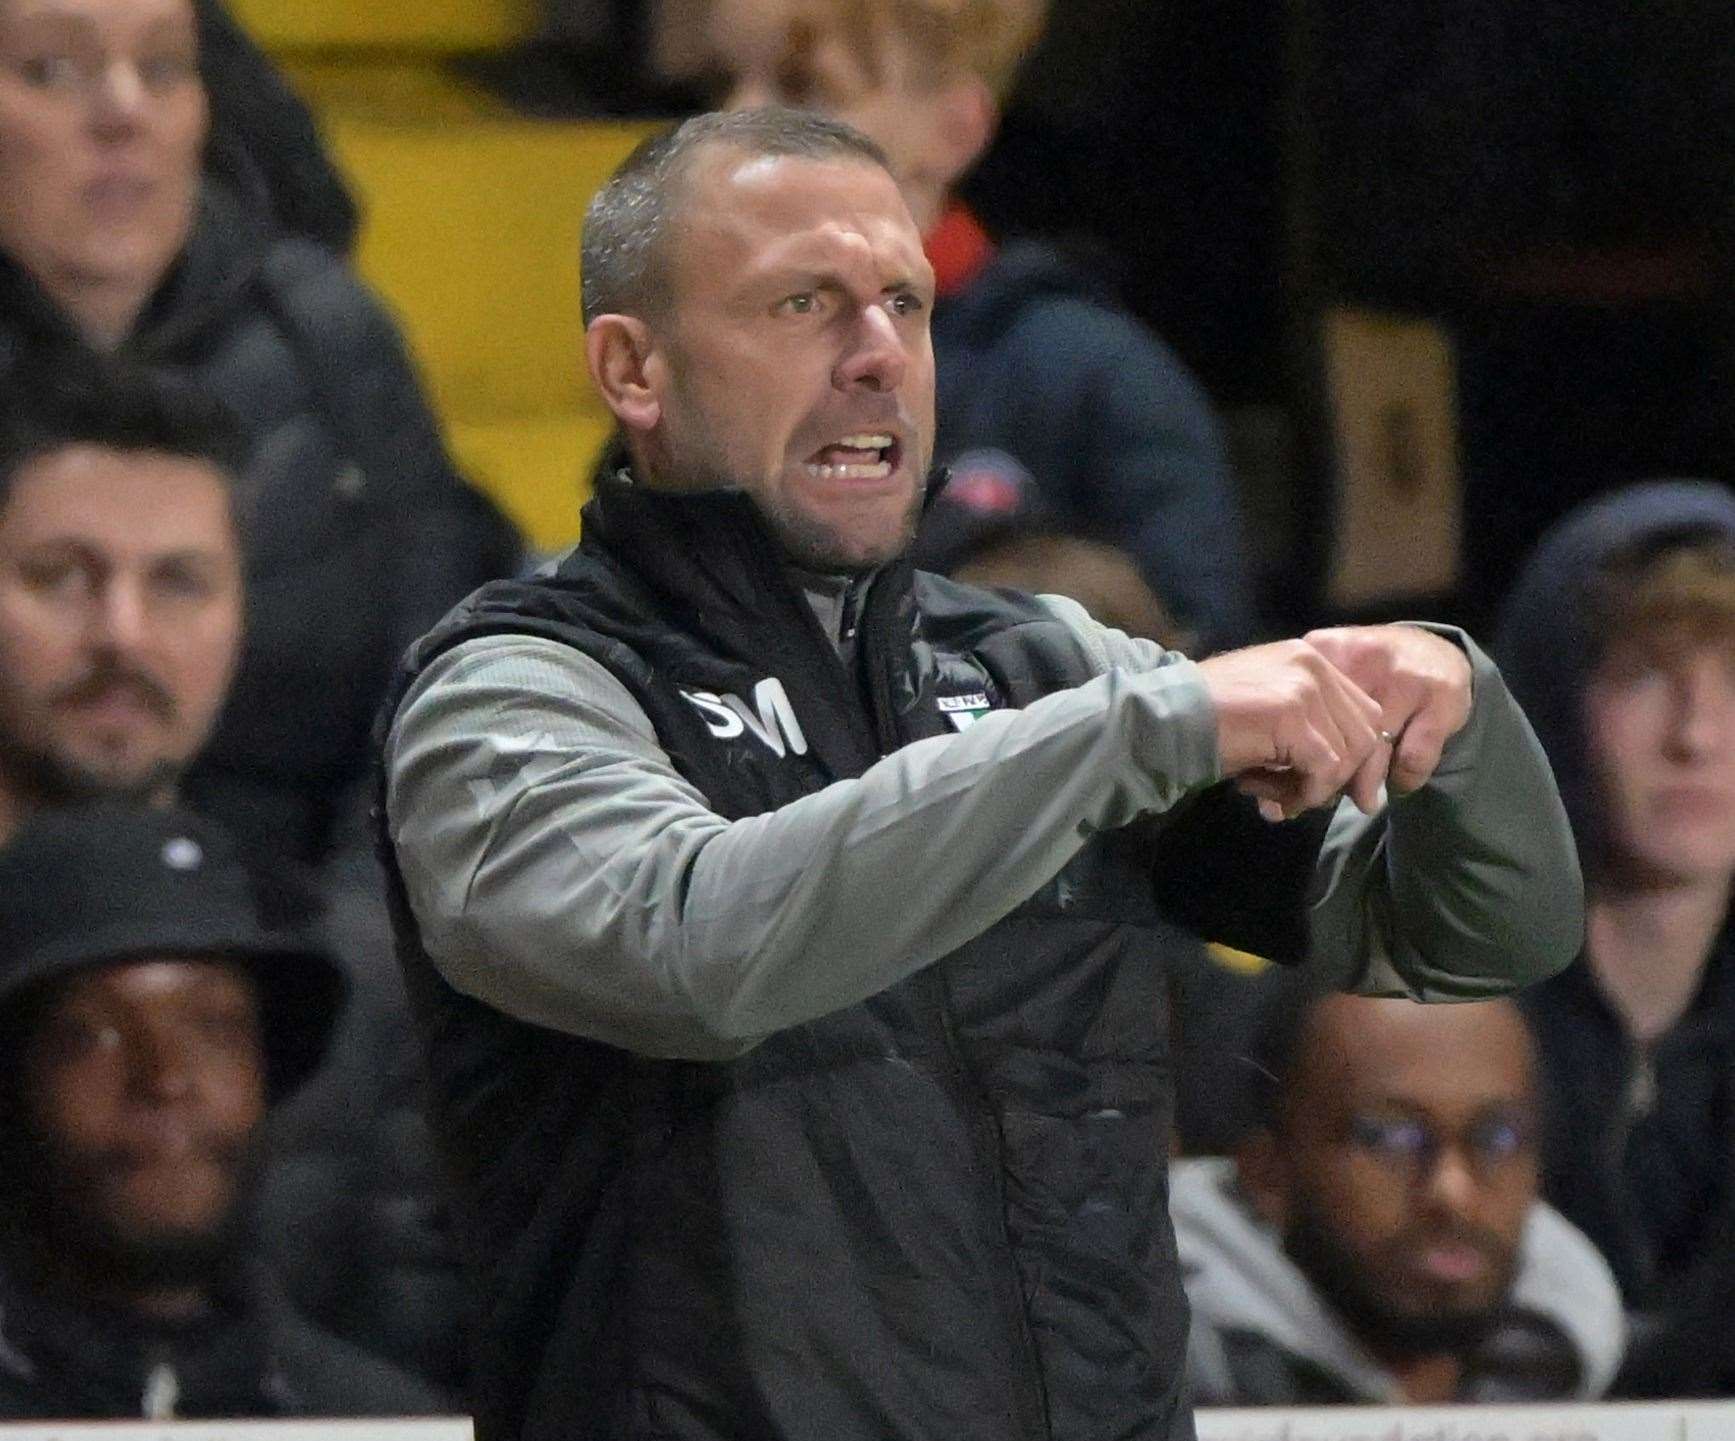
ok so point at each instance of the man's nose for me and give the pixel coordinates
(877, 359)
(1450, 1185)
(161, 1065)
(122, 616)
(1704, 721)
(119, 99)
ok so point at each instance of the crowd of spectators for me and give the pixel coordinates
(226, 511)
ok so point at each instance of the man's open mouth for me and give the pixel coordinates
(869, 455)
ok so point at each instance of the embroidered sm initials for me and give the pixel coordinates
(771, 719)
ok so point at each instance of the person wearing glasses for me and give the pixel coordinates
(1378, 1236)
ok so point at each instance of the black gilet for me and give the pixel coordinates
(940, 1213)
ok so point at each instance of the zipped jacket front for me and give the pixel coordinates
(937, 1211)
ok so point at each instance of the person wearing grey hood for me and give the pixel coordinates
(1619, 639)
(1377, 1238)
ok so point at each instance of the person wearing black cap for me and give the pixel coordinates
(122, 613)
(148, 1022)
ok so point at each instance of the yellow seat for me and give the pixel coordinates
(440, 25)
(472, 234)
(471, 227)
(537, 467)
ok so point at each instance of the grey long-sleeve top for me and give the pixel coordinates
(563, 871)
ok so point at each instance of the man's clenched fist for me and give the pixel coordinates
(1293, 729)
(1422, 684)
(1341, 711)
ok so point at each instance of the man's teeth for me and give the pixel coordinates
(878, 470)
(865, 444)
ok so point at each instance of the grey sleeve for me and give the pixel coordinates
(563, 871)
(1468, 887)
(1465, 889)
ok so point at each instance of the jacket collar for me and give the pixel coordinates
(703, 549)
(715, 571)
(88, 1360)
(1709, 1015)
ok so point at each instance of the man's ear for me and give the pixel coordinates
(965, 121)
(629, 370)
(1264, 1177)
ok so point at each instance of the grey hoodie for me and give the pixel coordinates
(1244, 1289)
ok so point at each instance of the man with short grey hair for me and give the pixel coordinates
(779, 916)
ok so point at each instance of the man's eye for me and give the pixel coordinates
(803, 304)
(163, 72)
(1390, 1140)
(906, 303)
(51, 71)
(229, 1029)
(66, 1040)
(181, 582)
(1500, 1140)
(63, 578)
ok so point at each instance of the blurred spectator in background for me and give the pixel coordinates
(1378, 1237)
(254, 111)
(148, 1019)
(121, 615)
(116, 235)
(1620, 639)
(121, 607)
(989, 525)
(1040, 372)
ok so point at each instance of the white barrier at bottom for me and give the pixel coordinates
(1630, 1421)
(1635, 1421)
(441, 1428)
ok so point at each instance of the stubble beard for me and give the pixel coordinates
(806, 541)
(810, 544)
(36, 778)
(1385, 1326)
(36, 775)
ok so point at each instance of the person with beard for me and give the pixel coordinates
(1378, 1239)
(121, 597)
(778, 915)
(148, 1021)
(130, 226)
(121, 620)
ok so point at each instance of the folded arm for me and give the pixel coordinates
(1464, 887)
